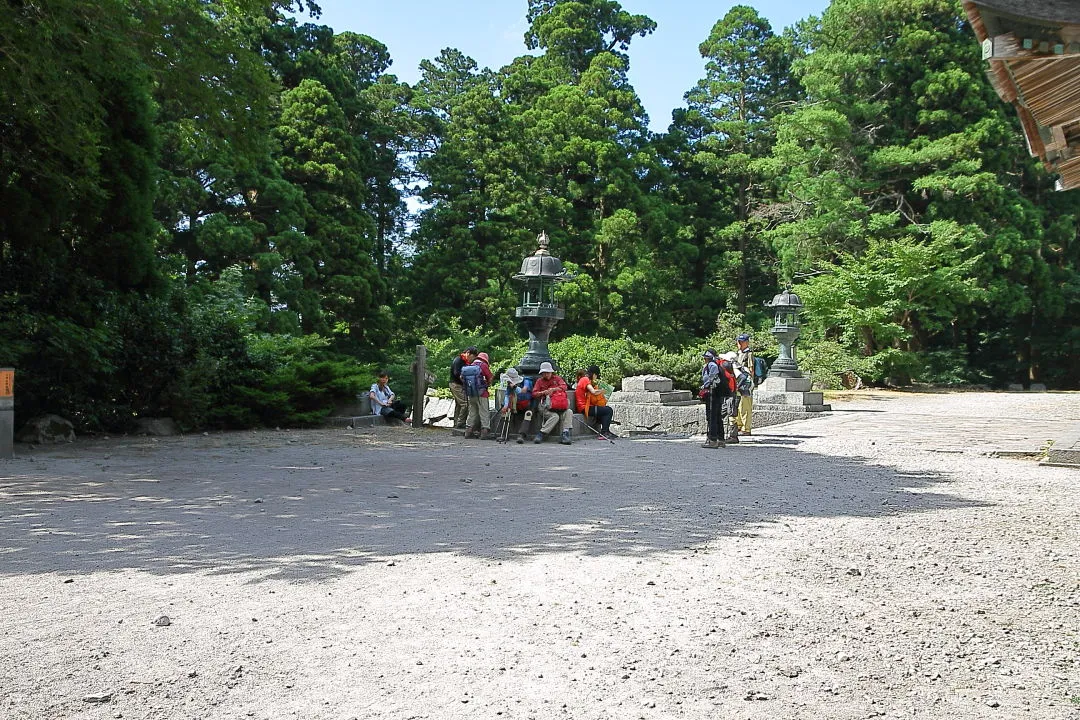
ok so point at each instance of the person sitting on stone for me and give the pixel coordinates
(554, 404)
(384, 402)
(517, 396)
(592, 401)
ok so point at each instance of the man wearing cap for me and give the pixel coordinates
(461, 403)
(546, 386)
(744, 357)
(715, 398)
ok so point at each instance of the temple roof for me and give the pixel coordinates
(1032, 48)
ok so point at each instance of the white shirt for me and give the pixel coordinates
(380, 397)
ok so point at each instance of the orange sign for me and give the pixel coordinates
(7, 382)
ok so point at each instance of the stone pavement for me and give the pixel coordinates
(1000, 423)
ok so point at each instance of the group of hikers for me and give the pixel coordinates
(526, 402)
(727, 385)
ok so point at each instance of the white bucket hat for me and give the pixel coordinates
(513, 376)
(546, 367)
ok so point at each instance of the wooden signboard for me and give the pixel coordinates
(7, 382)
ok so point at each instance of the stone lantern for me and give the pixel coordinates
(540, 274)
(786, 395)
(786, 305)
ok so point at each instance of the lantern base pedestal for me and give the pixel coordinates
(785, 399)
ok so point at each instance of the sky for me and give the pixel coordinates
(663, 65)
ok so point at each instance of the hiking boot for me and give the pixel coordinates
(539, 438)
(521, 439)
(485, 434)
(470, 433)
(600, 436)
(565, 439)
(710, 444)
(733, 437)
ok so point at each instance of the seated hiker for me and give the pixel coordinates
(517, 396)
(384, 402)
(592, 400)
(554, 404)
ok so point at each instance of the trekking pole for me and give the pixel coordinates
(507, 422)
(597, 432)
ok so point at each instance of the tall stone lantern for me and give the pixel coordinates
(540, 274)
(785, 327)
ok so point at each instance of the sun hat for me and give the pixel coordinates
(546, 367)
(729, 356)
(513, 376)
(743, 338)
(484, 357)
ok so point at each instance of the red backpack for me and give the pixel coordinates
(724, 382)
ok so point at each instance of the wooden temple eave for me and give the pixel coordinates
(1033, 62)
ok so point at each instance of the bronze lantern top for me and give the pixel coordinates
(542, 264)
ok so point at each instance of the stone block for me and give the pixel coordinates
(784, 385)
(1015, 387)
(1038, 387)
(671, 397)
(47, 429)
(647, 383)
(685, 419)
(788, 398)
(156, 426)
(439, 412)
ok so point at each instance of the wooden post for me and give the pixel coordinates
(7, 413)
(419, 386)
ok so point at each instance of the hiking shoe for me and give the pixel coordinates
(710, 444)
(485, 434)
(521, 439)
(733, 438)
(600, 437)
(539, 438)
(564, 439)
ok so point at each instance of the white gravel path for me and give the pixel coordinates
(875, 563)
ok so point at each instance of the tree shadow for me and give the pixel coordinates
(313, 512)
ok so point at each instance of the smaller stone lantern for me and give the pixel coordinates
(787, 306)
(786, 395)
(539, 311)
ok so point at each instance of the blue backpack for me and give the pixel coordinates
(473, 380)
(761, 370)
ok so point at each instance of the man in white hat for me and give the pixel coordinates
(517, 395)
(554, 404)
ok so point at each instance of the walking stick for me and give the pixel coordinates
(597, 432)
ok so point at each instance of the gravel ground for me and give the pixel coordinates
(874, 563)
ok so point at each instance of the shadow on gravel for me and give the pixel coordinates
(313, 512)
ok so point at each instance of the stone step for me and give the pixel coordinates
(647, 383)
(788, 398)
(652, 397)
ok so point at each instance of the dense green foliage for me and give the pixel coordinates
(205, 205)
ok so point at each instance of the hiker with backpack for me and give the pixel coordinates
(517, 398)
(591, 401)
(476, 378)
(717, 389)
(744, 390)
(554, 404)
(461, 402)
